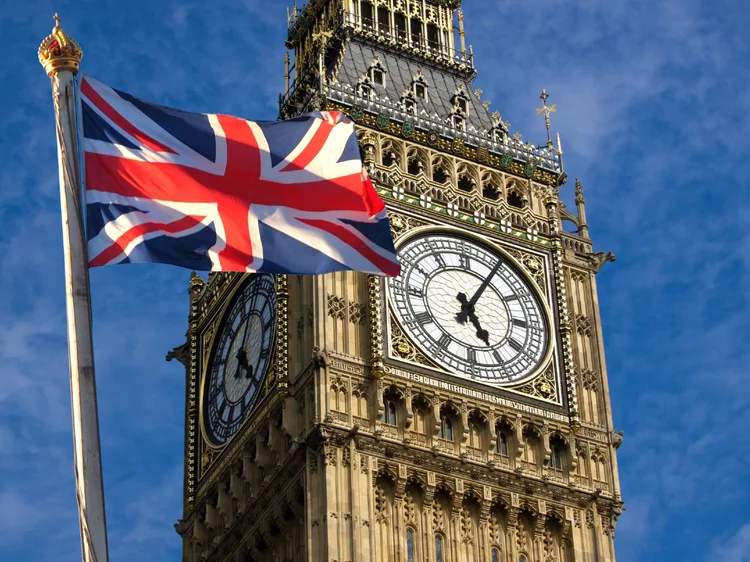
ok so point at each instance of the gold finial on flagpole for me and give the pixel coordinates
(59, 51)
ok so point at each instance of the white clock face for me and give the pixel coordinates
(469, 309)
(241, 358)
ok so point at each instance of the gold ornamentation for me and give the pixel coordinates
(59, 52)
(281, 375)
(543, 386)
(375, 304)
(404, 348)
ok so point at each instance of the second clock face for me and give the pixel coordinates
(469, 308)
(241, 358)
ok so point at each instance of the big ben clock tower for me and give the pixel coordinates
(459, 412)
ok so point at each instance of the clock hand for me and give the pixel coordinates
(482, 334)
(243, 364)
(467, 306)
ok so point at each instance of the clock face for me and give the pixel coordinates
(469, 308)
(241, 358)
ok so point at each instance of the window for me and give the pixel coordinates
(389, 159)
(465, 184)
(439, 549)
(378, 77)
(501, 445)
(400, 21)
(515, 200)
(495, 555)
(389, 411)
(410, 106)
(556, 458)
(462, 105)
(439, 175)
(409, 545)
(368, 15)
(522, 559)
(458, 123)
(416, 31)
(420, 91)
(365, 92)
(384, 20)
(432, 37)
(446, 428)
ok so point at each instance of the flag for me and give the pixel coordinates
(220, 193)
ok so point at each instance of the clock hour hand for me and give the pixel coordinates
(482, 334)
(243, 364)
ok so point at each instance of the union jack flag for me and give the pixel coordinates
(220, 193)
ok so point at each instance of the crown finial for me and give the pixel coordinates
(59, 51)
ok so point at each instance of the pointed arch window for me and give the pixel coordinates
(556, 459)
(389, 411)
(446, 428)
(495, 555)
(410, 545)
(439, 549)
(501, 444)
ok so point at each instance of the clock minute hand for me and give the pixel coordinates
(484, 284)
(467, 306)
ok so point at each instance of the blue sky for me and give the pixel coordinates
(652, 102)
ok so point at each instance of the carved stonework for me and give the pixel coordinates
(404, 348)
(357, 313)
(336, 307)
(543, 386)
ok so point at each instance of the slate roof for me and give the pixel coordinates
(433, 114)
(399, 77)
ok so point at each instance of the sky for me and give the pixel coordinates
(652, 103)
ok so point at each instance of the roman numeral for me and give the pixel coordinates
(439, 259)
(519, 323)
(515, 345)
(498, 357)
(423, 318)
(511, 298)
(444, 341)
(416, 292)
(472, 357)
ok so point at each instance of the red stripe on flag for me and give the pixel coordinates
(383, 264)
(119, 245)
(121, 122)
(312, 149)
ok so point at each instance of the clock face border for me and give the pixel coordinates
(217, 322)
(543, 297)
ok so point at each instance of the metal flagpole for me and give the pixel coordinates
(61, 56)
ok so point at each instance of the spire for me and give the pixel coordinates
(583, 229)
(546, 110)
(59, 52)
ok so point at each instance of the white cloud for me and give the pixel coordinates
(734, 548)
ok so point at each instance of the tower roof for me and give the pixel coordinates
(442, 85)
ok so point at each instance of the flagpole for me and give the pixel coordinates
(61, 56)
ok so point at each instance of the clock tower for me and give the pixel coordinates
(459, 412)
